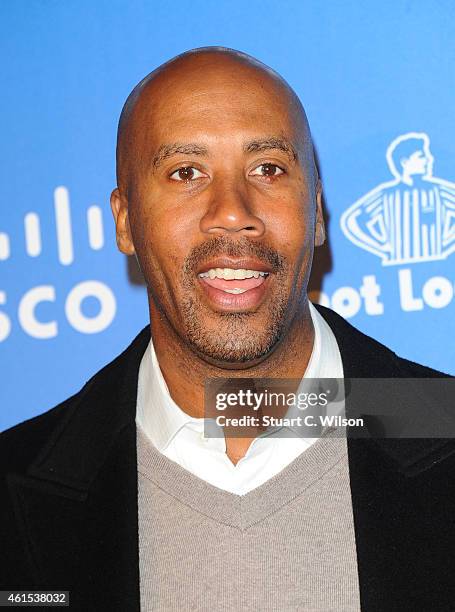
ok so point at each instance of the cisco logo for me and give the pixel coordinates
(27, 305)
(32, 230)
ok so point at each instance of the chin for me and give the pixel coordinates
(234, 347)
(228, 339)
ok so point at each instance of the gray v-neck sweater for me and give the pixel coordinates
(287, 545)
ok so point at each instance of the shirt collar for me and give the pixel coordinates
(157, 413)
(161, 418)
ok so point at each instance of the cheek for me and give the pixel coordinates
(162, 241)
(291, 229)
(154, 224)
(291, 210)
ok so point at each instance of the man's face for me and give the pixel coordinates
(222, 210)
(417, 163)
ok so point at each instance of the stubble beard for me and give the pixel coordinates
(232, 337)
(235, 337)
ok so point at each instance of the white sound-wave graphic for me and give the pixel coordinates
(4, 246)
(64, 231)
(32, 234)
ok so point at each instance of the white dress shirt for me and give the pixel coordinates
(180, 437)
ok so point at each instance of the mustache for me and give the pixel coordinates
(242, 247)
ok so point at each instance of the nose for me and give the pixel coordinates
(229, 211)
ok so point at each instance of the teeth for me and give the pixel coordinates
(232, 274)
(239, 274)
(236, 291)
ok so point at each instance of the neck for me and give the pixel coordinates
(185, 372)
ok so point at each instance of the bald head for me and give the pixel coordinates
(204, 75)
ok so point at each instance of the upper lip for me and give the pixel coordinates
(244, 263)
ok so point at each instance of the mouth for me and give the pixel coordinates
(234, 286)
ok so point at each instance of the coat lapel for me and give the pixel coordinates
(77, 503)
(403, 496)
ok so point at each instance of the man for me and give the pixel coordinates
(116, 496)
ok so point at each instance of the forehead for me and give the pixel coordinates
(213, 103)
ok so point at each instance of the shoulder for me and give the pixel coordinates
(20, 445)
(417, 370)
(364, 356)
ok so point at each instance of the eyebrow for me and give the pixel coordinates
(269, 144)
(168, 150)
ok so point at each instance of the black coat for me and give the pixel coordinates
(68, 495)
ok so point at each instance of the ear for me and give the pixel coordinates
(319, 234)
(119, 207)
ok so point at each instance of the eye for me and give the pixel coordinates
(185, 174)
(268, 170)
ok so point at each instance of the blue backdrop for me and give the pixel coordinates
(376, 78)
